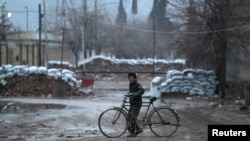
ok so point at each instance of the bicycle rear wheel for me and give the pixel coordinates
(113, 123)
(163, 121)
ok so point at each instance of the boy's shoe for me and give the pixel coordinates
(139, 131)
(129, 129)
(132, 135)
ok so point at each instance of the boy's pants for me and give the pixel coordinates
(132, 115)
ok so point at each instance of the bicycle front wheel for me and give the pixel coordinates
(113, 123)
(163, 122)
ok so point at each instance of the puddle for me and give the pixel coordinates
(9, 106)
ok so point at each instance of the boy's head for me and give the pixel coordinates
(131, 77)
(132, 74)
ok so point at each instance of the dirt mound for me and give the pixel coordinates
(33, 85)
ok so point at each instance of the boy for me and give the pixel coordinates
(135, 104)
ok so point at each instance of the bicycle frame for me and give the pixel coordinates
(158, 124)
(123, 108)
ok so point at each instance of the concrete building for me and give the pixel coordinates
(23, 48)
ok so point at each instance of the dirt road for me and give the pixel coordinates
(75, 118)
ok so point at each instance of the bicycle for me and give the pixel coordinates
(163, 121)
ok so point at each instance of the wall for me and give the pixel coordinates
(22, 48)
(55, 54)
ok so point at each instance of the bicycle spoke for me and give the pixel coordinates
(112, 123)
(163, 122)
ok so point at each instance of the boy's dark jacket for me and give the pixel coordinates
(137, 88)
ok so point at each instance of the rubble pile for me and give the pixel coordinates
(33, 85)
(35, 81)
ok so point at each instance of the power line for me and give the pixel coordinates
(164, 32)
(66, 9)
(138, 29)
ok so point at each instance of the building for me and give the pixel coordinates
(23, 48)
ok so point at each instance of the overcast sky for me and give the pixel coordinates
(19, 12)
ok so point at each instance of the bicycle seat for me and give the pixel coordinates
(152, 99)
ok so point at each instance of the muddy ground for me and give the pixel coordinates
(74, 118)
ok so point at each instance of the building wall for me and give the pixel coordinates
(6, 54)
(28, 54)
(20, 54)
(55, 54)
(22, 48)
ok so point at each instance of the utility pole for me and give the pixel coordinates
(85, 28)
(2, 24)
(154, 45)
(46, 36)
(3, 20)
(27, 18)
(3, 38)
(98, 49)
(63, 31)
(56, 26)
(2, 34)
(40, 32)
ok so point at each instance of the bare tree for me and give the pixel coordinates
(123, 40)
(73, 34)
(80, 30)
(208, 37)
(159, 22)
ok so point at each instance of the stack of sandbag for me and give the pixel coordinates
(24, 80)
(9, 71)
(190, 81)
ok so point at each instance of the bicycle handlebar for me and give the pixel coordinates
(129, 94)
